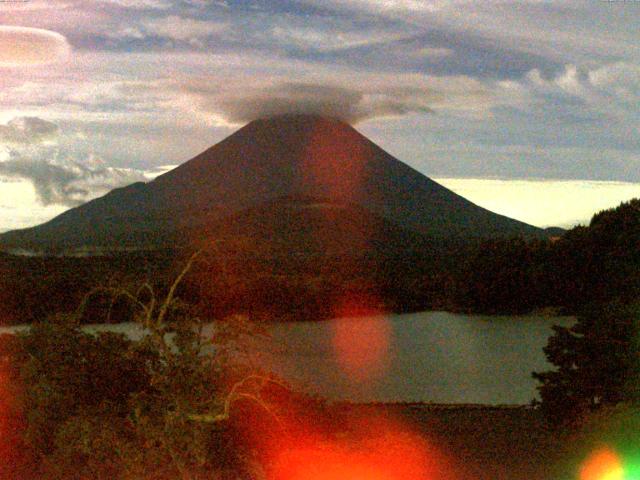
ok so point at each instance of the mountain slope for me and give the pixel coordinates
(282, 157)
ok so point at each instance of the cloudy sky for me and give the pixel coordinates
(530, 108)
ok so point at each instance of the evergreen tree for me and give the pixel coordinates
(596, 360)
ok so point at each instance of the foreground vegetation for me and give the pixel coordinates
(77, 405)
(596, 363)
(81, 406)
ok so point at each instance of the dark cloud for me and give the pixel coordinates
(332, 102)
(26, 130)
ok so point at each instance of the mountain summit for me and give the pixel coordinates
(273, 174)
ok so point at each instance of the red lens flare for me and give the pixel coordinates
(361, 345)
(334, 162)
(327, 463)
(376, 450)
(5, 409)
(603, 464)
(12, 451)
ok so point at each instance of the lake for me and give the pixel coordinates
(434, 357)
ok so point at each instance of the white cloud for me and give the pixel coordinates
(329, 36)
(570, 82)
(58, 179)
(431, 52)
(182, 28)
(610, 90)
(140, 4)
(565, 30)
(378, 6)
(620, 79)
(20, 207)
(22, 46)
(127, 32)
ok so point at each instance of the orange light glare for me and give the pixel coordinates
(324, 464)
(603, 464)
(384, 453)
(10, 421)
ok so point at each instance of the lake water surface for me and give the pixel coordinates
(428, 357)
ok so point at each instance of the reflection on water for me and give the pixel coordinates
(432, 357)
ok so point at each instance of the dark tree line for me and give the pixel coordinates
(597, 360)
(595, 264)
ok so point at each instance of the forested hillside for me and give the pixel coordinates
(588, 264)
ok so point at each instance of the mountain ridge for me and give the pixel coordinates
(277, 157)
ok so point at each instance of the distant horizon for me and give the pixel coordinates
(543, 203)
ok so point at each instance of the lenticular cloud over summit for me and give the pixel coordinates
(363, 99)
(287, 99)
(349, 105)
